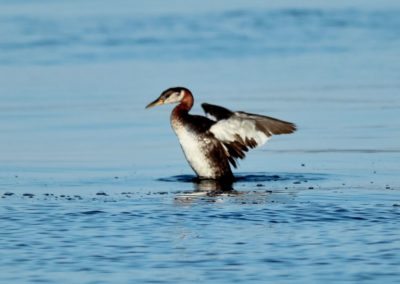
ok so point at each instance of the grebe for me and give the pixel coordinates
(210, 145)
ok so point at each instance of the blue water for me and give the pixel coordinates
(95, 189)
(231, 33)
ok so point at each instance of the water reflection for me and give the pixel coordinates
(213, 187)
(248, 178)
(257, 188)
(206, 190)
(211, 191)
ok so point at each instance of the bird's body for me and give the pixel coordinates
(210, 146)
(203, 151)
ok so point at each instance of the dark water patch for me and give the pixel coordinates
(254, 177)
(89, 213)
(275, 261)
(237, 216)
(180, 178)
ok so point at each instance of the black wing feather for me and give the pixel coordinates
(217, 111)
(200, 123)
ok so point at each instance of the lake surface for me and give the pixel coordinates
(95, 189)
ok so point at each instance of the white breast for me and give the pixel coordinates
(194, 148)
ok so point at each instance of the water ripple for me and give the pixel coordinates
(240, 33)
(255, 177)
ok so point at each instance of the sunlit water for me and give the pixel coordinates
(95, 189)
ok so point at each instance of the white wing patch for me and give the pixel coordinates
(239, 131)
(238, 125)
(209, 116)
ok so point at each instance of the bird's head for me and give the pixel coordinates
(170, 96)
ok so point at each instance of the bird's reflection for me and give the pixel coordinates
(257, 187)
(207, 188)
(213, 186)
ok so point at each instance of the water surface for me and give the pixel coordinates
(95, 189)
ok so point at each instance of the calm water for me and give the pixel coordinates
(95, 189)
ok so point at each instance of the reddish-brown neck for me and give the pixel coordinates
(187, 101)
(182, 109)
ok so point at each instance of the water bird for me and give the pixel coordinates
(214, 142)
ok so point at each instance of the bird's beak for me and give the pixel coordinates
(157, 102)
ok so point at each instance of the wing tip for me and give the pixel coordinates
(283, 127)
(291, 128)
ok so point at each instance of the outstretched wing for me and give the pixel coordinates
(240, 131)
